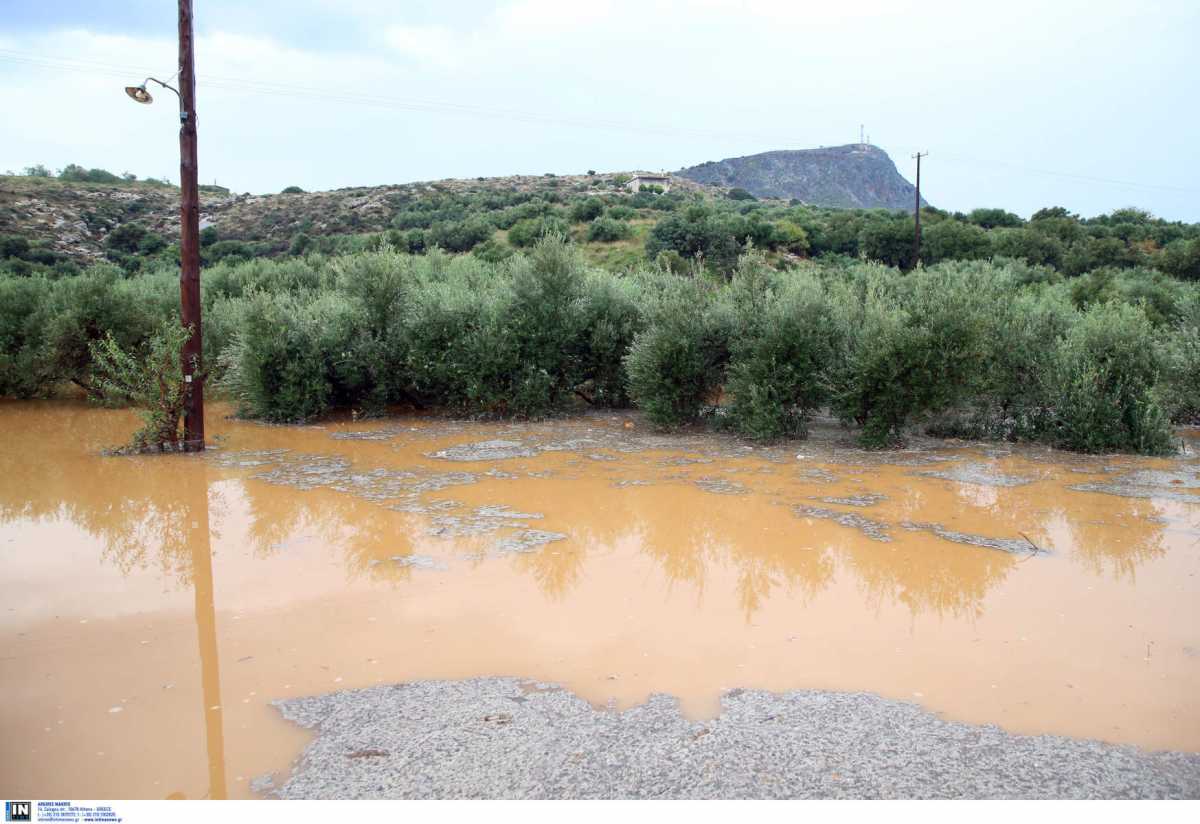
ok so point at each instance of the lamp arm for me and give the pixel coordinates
(164, 85)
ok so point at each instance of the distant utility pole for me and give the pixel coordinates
(917, 212)
(189, 247)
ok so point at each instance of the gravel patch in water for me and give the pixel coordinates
(1150, 483)
(977, 473)
(864, 500)
(720, 486)
(875, 530)
(496, 450)
(510, 739)
(1016, 546)
(527, 540)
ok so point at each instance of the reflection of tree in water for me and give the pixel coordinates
(557, 567)
(687, 549)
(807, 572)
(1113, 535)
(365, 530)
(954, 581)
(139, 507)
(931, 574)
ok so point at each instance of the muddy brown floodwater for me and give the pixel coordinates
(155, 606)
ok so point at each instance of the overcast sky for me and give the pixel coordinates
(1089, 105)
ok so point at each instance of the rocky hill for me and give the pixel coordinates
(854, 176)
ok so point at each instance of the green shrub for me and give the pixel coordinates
(13, 246)
(1028, 245)
(700, 233)
(546, 324)
(235, 278)
(381, 285)
(1104, 373)
(1181, 259)
(888, 240)
(290, 360)
(493, 250)
(77, 174)
(993, 218)
(533, 208)
(221, 318)
(462, 236)
(914, 344)
(953, 240)
(125, 238)
(1024, 336)
(1157, 294)
(151, 380)
(671, 261)
(790, 237)
(25, 370)
(151, 244)
(457, 347)
(611, 317)
(527, 232)
(779, 359)
(607, 230)
(101, 302)
(232, 251)
(300, 244)
(1086, 254)
(676, 364)
(1179, 346)
(412, 241)
(587, 210)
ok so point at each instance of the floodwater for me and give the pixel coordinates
(155, 606)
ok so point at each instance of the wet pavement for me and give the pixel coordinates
(159, 605)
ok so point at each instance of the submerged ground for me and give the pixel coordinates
(158, 608)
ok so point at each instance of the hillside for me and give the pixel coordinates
(74, 219)
(853, 176)
(56, 227)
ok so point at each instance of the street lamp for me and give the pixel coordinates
(189, 246)
(139, 93)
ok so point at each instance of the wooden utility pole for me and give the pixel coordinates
(189, 246)
(917, 212)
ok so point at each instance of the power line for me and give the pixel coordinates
(348, 97)
(1066, 175)
(381, 101)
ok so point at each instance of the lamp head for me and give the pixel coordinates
(139, 93)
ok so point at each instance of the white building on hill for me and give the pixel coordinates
(639, 180)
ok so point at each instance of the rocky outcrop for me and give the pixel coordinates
(854, 176)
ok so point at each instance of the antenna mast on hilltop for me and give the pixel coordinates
(861, 143)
